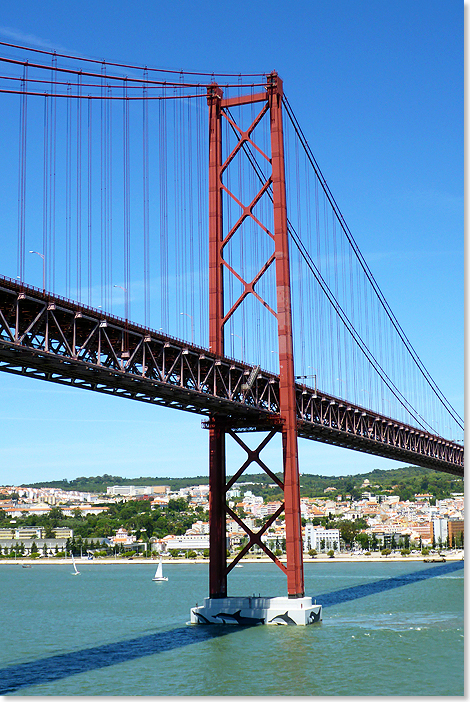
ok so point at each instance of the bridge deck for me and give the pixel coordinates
(51, 338)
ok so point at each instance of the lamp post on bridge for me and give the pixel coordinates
(314, 376)
(241, 343)
(125, 349)
(43, 270)
(192, 326)
(370, 397)
(126, 301)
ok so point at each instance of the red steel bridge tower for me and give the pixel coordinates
(270, 103)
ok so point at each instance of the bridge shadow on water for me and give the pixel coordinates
(347, 594)
(57, 667)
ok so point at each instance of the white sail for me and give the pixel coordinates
(159, 572)
(75, 570)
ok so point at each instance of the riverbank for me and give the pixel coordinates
(321, 558)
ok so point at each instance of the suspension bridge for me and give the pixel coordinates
(195, 203)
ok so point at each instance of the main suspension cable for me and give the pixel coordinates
(367, 270)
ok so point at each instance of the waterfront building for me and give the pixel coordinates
(134, 490)
(63, 533)
(439, 531)
(320, 539)
(455, 530)
(122, 538)
(185, 542)
(421, 531)
(199, 527)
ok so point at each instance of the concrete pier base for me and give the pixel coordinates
(249, 611)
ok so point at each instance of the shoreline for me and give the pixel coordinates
(192, 561)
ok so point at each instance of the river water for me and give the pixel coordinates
(393, 628)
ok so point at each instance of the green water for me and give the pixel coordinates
(112, 631)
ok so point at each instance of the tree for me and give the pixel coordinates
(386, 552)
(362, 539)
(55, 516)
(331, 553)
(348, 530)
(178, 505)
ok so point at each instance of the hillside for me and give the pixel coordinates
(405, 482)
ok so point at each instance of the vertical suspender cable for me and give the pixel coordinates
(102, 184)
(127, 233)
(145, 178)
(163, 162)
(68, 194)
(45, 181)
(190, 208)
(53, 160)
(22, 176)
(79, 189)
(109, 196)
(89, 207)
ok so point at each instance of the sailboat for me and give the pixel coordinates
(75, 571)
(158, 577)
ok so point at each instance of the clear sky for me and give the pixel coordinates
(378, 90)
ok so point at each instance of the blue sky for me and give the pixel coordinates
(378, 90)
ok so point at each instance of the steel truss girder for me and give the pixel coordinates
(330, 420)
(54, 339)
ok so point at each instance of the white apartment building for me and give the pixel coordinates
(440, 531)
(131, 490)
(321, 539)
(186, 542)
(122, 537)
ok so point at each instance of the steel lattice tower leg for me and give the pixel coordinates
(295, 576)
(217, 515)
(272, 100)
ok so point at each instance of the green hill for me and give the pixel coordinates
(405, 482)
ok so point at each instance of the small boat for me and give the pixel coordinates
(75, 570)
(158, 577)
(238, 565)
(26, 565)
(435, 560)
